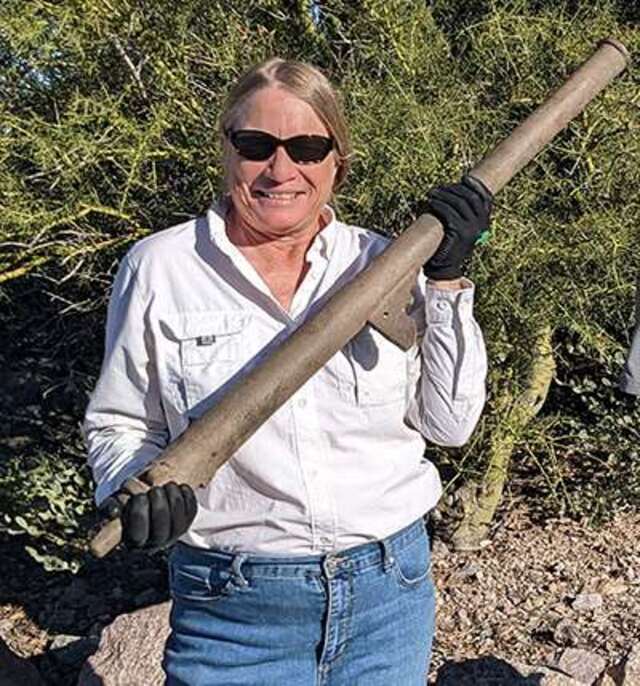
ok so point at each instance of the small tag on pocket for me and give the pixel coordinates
(206, 340)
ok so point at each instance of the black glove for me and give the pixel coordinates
(155, 519)
(463, 209)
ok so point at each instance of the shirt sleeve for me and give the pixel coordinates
(125, 426)
(451, 391)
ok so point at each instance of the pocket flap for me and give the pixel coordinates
(207, 337)
(214, 323)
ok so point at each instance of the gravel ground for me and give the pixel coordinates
(530, 592)
(534, 590)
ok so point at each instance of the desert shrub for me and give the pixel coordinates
(108, 133)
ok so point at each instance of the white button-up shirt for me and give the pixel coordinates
(342, 461)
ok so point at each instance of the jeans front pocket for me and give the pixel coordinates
(412, 564)
(200, 583)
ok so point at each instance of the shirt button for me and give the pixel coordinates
(302, 402)
(326, 540)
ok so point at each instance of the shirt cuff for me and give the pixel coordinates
(442, 305)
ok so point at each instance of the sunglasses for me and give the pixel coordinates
(258, 146)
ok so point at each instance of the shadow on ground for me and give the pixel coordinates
(484, 671)
(73, 608)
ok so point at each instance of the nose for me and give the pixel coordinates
(281, 166)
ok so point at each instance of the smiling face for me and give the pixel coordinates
(277, 197)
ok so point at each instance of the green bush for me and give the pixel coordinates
(108, 117)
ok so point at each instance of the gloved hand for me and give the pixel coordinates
(464, 209)
(155, 519)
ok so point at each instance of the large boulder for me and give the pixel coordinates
(15, 670)
(130, 650)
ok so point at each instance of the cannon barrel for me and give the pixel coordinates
(378, 296)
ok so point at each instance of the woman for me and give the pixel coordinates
(305, 560)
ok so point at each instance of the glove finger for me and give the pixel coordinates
(110, 508)
(455, 200)
(177, 509)
(474, 201)
(190, 503)
(467, 202)
(135, 521)
(448, 215)
(160, 517)
(443, 253)
(480, 188)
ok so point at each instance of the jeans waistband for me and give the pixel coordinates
(356, 559)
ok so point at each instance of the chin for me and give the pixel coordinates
(284, 221)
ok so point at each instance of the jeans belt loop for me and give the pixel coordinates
(236, 565)
(387, 556)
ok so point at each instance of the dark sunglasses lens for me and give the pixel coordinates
(308, 148)
(259, 146)
(254, 146)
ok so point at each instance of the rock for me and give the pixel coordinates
(470, 570)
(606, 680)
(612, 587)
(130, 650)
(566, 633)
(581, 665)
(587, 601)
(15, 670)
(61, 641)
(553, 678)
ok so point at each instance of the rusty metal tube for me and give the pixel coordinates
(211, 440)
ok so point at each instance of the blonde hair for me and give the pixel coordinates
(305, 82)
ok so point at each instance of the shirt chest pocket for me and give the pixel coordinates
(379, 371)
(212, 350)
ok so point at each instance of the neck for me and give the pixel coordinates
(290, 247)
(279, 259)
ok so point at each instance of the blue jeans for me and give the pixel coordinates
(361, 616)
